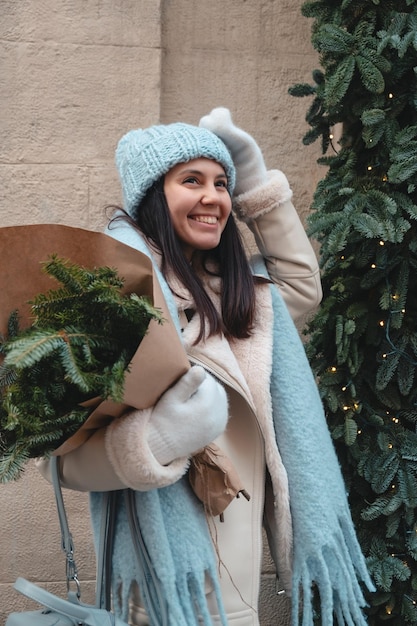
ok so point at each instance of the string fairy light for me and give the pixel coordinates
(395, 349)
(413, 602)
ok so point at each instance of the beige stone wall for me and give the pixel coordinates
(75, 75)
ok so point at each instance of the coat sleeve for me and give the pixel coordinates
(116, 457)
(281, 239)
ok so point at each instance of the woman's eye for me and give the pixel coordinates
(221, 183)
(190, 179)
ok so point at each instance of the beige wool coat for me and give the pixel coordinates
(115, 457)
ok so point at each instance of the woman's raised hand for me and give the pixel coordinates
(250, 167)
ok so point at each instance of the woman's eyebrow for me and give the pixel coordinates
(190, 171)
(200, 173)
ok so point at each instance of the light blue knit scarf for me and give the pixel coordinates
(326, 550)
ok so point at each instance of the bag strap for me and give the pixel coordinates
(66, 537)
(105, 543)
(105, 550)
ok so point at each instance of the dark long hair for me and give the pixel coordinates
(237, 292)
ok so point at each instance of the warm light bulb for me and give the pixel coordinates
(373, 266)
(382, 243)
(369, 168)
(390, 96)
(381, 323)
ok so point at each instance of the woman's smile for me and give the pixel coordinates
(206, 219)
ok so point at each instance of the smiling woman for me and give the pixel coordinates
(235, 423)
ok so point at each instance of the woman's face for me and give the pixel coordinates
(198, 202)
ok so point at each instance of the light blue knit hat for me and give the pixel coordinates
(144, 155)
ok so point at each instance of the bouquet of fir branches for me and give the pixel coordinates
(81, 340)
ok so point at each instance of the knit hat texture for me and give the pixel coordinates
(144, 155)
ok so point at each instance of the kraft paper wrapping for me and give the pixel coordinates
(160, 358)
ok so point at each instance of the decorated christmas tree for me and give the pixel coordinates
(362, 342)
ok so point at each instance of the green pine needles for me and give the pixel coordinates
(362, 342)
(79, 346)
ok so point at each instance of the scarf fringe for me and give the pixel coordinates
(335, 570)
(172, 578)
(189, 606)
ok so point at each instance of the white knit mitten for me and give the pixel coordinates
(188, 416)
(250, 167)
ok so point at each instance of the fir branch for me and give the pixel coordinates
(78, 347)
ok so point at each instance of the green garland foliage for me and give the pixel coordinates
(362, 343)
(79, 346)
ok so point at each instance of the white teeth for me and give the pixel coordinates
(206, 219)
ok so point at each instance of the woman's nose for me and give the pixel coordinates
(210, 195)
